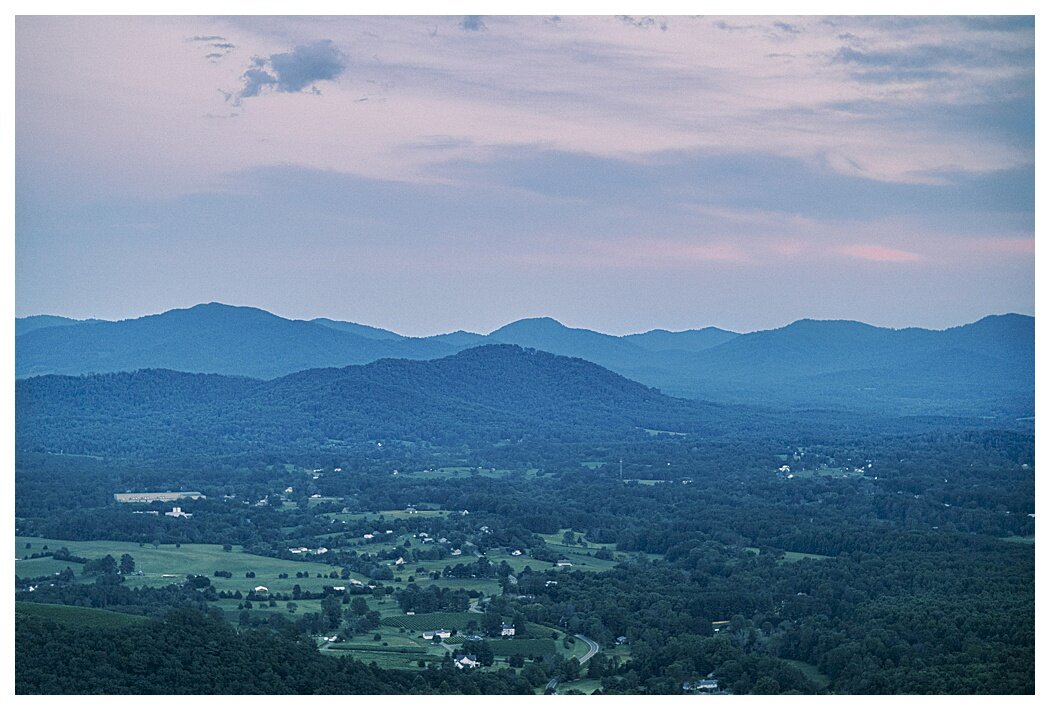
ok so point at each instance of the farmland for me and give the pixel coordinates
(78, 616)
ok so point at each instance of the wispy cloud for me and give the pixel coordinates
(216, 46)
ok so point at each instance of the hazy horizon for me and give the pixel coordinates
(489, 330)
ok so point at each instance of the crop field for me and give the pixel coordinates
(79, 616)
(431, 622)
(386, 659)
(524, 647)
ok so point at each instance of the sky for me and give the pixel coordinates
(428, 174)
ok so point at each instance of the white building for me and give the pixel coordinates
(176, 512)
(466, 661)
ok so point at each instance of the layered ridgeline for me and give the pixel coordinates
(486, 395)
(210, 338)
(981, 369)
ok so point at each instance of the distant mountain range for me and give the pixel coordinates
(984, 368)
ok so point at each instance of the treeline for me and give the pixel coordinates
(190, 653)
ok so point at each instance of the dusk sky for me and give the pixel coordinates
(615, 173)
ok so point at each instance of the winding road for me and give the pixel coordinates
(594, 648)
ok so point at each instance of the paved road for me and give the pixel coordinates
(594, 648)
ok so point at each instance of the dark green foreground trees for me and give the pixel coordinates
(190, 653)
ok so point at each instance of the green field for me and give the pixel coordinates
(1029, 540)
(79, 616)
(832, 472)
(796, 556)
(387, 515)
(792, 556)
(432, 622)
(812, 673)
(524, 647)
(583, 685)
(168, 564)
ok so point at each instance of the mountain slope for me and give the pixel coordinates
(989, 364)
(484, 395)
(206, 338)
(31, 323)
(366, 331)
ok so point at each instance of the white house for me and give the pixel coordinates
(506, 630)
(564, 563)
(466, 661)
(439, 633)
(457, 552)
(176, 512)
(368, 536)
(260, 590)
(516, 553)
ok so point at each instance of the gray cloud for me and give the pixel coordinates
(294, 71)
(641, 22)
(216, 45)
(472, 23)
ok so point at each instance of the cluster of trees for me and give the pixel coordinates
(165, 658)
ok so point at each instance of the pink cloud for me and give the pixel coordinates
(875, 252)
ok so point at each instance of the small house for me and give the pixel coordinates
(506, 630)
(466, 660)
(516, 553)
(261, 590)
(563, 563)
